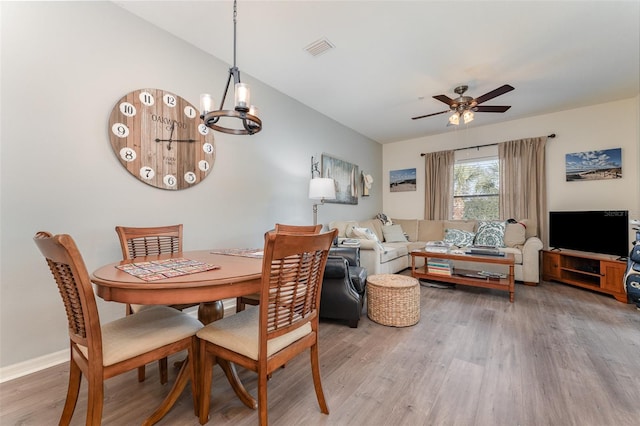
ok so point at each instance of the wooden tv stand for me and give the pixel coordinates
(597, 272)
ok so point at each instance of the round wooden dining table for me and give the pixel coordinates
(234, 276)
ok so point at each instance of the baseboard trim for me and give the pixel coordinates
(34, 365)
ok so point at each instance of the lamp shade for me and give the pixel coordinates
(322, 189)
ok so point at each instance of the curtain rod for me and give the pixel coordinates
(551, 136)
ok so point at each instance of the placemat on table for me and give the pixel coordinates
(244, 252)
(167, 268)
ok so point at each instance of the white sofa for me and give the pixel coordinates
(391, 255)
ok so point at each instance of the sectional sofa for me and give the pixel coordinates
(384, 249)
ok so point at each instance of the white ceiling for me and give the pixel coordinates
(391, 57)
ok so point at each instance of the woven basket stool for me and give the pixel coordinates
(393, 300)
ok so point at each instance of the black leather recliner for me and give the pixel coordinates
(343, 287)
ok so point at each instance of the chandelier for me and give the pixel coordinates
(243, 111)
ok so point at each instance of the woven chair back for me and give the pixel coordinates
(71, 276)
(138, 242)
(293, 269)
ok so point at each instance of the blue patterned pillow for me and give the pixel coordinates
(458, 237)
(490, 233)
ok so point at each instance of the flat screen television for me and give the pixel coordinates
(602, 231)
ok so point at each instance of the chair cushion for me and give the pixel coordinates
(139, 308)
(240, 333)
(142, 332)
(393, 251)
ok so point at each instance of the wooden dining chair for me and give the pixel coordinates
(104, 351)
(148, 241)
(285, 324)
(254, 299)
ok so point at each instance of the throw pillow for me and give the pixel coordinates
(394, 234)
(490, 233)
(458, 237)
(514, 234)
(363, 233)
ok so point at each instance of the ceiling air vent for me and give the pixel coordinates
(319, 47)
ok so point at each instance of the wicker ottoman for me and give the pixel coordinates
(393, 300)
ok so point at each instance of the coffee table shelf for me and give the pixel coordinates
(506, 284)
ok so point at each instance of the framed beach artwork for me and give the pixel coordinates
(346, 177)
(594, 165)
(402, 180)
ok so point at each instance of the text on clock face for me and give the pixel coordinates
(169, 121)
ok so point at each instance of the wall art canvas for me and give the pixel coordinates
(594, 165)
(346, 177)
(402, 180)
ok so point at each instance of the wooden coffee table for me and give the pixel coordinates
(464, 276)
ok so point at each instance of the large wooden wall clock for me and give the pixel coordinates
(159, 138)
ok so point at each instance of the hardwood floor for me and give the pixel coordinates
(557, 356)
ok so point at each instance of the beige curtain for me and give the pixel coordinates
(523, 193)
(438, 191)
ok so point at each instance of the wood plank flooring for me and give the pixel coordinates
(557, 356)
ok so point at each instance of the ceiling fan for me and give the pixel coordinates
(465, 106)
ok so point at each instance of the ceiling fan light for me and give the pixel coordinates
(467, 116)
(454, 119)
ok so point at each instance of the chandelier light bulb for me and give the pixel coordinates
(206, 103)
(467, 117)
(253, 110)
(454, 119)
(242, 96)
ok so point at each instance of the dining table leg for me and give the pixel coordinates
(208, 312)
(172, 396)
(232, 375)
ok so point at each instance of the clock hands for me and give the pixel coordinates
(175, 140)
(170, 140)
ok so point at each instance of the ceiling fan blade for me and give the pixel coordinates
(444, 98)
(429, 115)
(494, 93)
(492, 108)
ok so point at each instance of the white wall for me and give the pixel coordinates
(603, 126)
(64, 66)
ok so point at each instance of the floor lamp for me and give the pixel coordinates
(321, 189)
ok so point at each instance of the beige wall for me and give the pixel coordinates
(603, 126)
(64, 65)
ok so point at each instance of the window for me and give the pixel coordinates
(475, 188)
